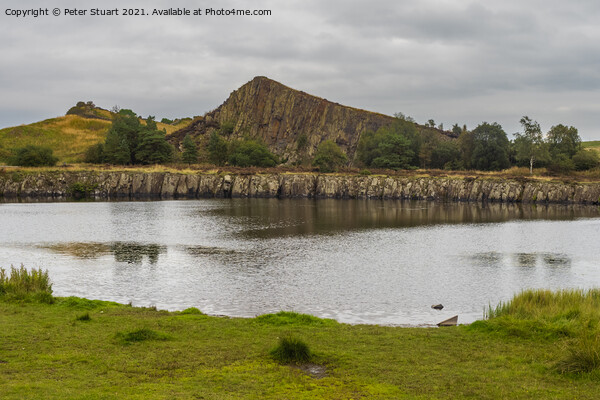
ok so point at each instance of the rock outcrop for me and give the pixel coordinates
(163, 185)
(290, 122)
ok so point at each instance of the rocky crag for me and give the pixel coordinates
(290, 122)
(130, 185)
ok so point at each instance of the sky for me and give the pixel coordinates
(453, 61)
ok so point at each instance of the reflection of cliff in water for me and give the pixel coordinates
(263, 218)
(129, 252)
(522, 260)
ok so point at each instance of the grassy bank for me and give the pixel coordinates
(521, 174)
(78, 348)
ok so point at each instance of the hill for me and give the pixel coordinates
(290, 122)
(68, 136)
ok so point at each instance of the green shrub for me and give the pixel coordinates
(95, 154)
(302, 142)
(81, 189)
(217, 149)
(329, 157)
(251, 153)
(23, 285)
(227, 127)
(291, 350)
(190, 150)
(561, 164)
(364, 172)
(585, 160)
(33, 156)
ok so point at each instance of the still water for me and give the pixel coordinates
(357, 261)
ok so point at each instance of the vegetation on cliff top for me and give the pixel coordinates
(77, 348)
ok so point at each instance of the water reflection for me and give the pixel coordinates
(521, 260)
(265, 218)
(129, 252)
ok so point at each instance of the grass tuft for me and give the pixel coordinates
(292, 318)
(192, 310)
(583, 355)
(544, 313)
(24, 285)
(291, 350)
(84, 317)
(140, 335)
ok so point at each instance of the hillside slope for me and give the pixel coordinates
(68, 136)
(292, 123)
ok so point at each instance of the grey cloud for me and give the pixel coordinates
(455, 61)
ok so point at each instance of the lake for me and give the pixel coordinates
(357, 261)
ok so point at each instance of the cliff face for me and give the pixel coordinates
(280, 116)
(103, 185)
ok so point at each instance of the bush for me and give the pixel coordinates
(34, 156)
(561, 165)
(26, 285)
(584, 160)
(291, 350)
(248, 153)
(81, 189)
(217, 149)
(95, 154)
(190, 151)
(329, 157)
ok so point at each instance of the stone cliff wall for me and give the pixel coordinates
(107, 185)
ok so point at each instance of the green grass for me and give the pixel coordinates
(24, 285)
(548, 314)
(45, 353)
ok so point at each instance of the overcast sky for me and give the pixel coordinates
(455, 61)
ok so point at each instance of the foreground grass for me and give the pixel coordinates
(49, 351)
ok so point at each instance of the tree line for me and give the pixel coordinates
(400, 145)
(486, 148)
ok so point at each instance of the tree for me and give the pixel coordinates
(122, 134)
(190, 150)
(116, 148)
(564, 140)
(152, 147)
(466, 145)
(217, 149)
(396, 146)
(33, 156)
(490, 151)
(329, 157)
(530, 144)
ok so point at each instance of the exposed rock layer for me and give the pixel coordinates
(106, 185)
(280, 116)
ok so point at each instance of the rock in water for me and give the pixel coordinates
(437, 307)
(449, 322)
